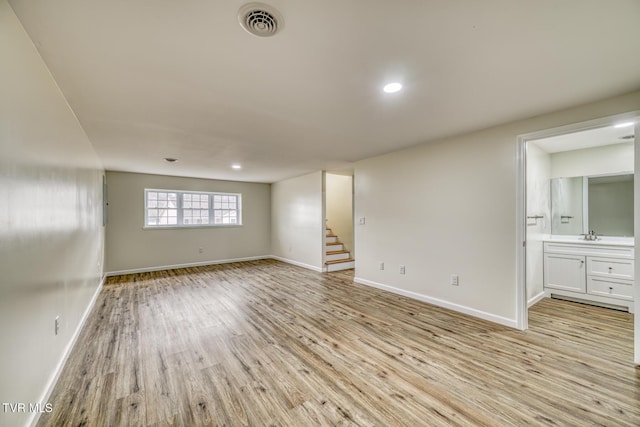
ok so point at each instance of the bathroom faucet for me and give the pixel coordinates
(591, 236)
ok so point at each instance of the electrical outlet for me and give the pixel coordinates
(200, 250)
(361, 221)
(402, 270)
(57, 325)
(454, 279)
(382, 266)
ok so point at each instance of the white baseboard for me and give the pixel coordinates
(440, 303)
(536, 298)
(299, 264)
(35, 416)
(190, 264)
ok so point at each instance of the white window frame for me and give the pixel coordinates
(211, 208)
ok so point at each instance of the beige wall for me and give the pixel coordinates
(51, 234)
(450, 208)
(538, 204)
(131, 247)
(297, 225)
(339, 207)
(602, 160)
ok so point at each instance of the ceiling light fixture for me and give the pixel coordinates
(170, 160)
(236, 166)
(392, 87)
(624, 125)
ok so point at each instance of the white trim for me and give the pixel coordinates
(536, 298)
(186, 265)
(522, 318)
(521, 187)
(299, 264)
(636, 221)
(53, 379)
(440, 303)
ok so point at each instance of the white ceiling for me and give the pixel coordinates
(165, 78)
(585, 139)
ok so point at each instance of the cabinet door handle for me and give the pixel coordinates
(581, 261)
(610, 269)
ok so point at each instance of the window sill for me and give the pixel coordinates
(188, 227)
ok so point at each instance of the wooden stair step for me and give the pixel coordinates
(338, 261)
(333, 243)
(343, 251)
(331, 235)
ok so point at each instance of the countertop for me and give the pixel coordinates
(602, 240)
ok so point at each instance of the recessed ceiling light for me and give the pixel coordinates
(392, 87)
(236, 166)
(170, 160)
(624, 125)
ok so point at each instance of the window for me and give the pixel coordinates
(166, 208)
(162, 208)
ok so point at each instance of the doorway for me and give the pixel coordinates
(594, 152)
(339, 249)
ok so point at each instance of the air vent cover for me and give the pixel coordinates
(260, 19)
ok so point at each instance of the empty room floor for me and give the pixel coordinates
(266, 343)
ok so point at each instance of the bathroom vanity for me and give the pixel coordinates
(599, 272)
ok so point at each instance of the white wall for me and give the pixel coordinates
(607, 159)
(448, 207)
(339, 207)
(567, 199)
(538, 204)
(51, 234)
(297, 220)
(131, 247)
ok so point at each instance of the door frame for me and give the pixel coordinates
(522, 320)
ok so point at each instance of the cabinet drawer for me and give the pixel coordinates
(610, 268)
(609, 288)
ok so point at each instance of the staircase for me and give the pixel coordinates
(337, 257)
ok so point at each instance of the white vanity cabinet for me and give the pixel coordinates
(601, 274)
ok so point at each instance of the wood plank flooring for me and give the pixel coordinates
(268, 344)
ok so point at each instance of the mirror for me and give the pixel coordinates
(611, 205)
(600, 203)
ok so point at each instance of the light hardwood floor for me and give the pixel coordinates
(265, 343)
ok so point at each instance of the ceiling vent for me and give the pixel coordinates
(260, 19)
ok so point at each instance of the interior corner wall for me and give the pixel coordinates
(339, 207)
(297, 224)
(51, 232)
(538, 204)
(130, 247)
(456, 214)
